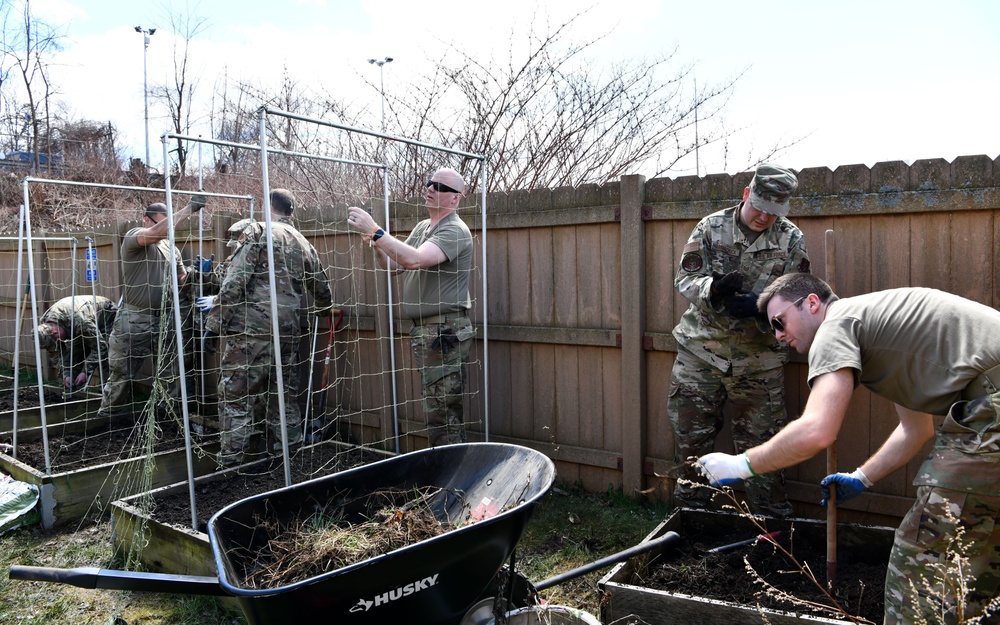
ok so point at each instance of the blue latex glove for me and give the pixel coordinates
(724, 469)
(849, 485)
(742, 305)
(204, 265)
(206, 303)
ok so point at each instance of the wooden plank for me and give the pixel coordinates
(971, 257)
(543, 277)
(930, 237)
(661, 260)
(565, 277)
(591, 390)
(610, 264)
(522, 399)
(501, 391)
(567, 384)
(587, 279)
(543, 409)
(519, 263)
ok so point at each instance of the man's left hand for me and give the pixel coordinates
(724, 469)
(742, 305)
(81, 378)
(849, 485)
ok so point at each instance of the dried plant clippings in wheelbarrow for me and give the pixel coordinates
(327, 542)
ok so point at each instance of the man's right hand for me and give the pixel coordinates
(724, 286)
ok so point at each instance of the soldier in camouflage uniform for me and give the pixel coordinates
(76, 329)
(145, 314)
(931, 353)
(249, 375)
(724, 347)
(436, 261)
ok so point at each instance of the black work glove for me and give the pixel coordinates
(197, 203)
(208, 342)
(742, 305)
(724, 286)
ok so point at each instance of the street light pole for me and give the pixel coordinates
(146, 34)
(381, 84)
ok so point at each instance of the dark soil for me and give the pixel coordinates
(690, 570)
(27, 397)
(210, 497)
(70, 452)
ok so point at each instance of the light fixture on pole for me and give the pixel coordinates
(146, 34)
(381, 84)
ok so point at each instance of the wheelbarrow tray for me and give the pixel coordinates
(433, 581)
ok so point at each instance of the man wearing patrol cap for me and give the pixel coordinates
(725, 349)
(75, 330)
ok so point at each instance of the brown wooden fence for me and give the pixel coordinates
(581, 306)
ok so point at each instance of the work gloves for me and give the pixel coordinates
(728, 290)
(724, 469)
(724, 286)
(742, 305)
(849, 485)
(208, 342)
(197, 203)
(206, 303)
(204, 265)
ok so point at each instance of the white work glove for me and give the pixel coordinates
(849, 485)
(206, 303)
(724, 469)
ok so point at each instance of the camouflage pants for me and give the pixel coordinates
(956, 513)
(698, 393)
(248, 395)
(921, 584)
(132, 357)
(442, 351)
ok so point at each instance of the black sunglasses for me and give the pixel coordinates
(777, 324)
(440, 187)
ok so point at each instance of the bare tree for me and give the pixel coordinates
(178, 94)
(27, 46)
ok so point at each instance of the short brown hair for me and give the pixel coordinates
(794, 286)
(282, 201)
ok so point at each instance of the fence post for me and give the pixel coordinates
(633, 318)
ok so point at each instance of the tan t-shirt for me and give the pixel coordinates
(146, 272)
(917, 347)
(443, 288)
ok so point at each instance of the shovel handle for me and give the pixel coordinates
(92, 577)
(636, 550)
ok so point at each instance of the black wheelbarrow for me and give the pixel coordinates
(433, 581)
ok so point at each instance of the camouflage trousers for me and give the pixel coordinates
(922, 583)
(133, 356)
(442, 352)
(248, 395)
(698, 393)
(956, 514)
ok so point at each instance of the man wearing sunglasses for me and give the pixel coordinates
(724, 348)
(931, 353)
(435, 262)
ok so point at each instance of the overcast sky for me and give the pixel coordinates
(847, 82)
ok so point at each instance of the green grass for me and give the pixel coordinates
(568, 528)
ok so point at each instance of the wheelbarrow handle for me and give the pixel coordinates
(644, 547)
(93, 577)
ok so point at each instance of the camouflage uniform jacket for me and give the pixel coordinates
(89, 325)
(717, 245)
(244, 297)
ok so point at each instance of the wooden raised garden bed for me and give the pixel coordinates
(638, 587)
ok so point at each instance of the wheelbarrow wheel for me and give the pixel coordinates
(516, 592)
